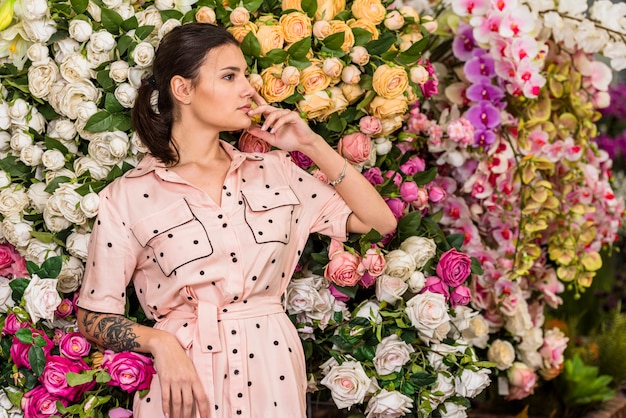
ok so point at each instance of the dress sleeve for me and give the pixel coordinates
(323, 209)
(110, 261)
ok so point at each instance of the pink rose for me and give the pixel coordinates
(337, 294)
(421, 201)
(373, 262)
(355, 147)
(19, 350)
(397, 178)
(301, 159)
(6, 258)
(554, 344)
(74, 346)
(408, 191)
(12, 264)
(435, 285)
(522, 381)
(460, 296)
(250, 143)
(454, 267)
(343, 269)
(397, 206)
(370, 125)
(413, 166)
(367, 280)
(12, 324)
(120, 413)
(54, 377)
(58, 334)
(374, 176)
(130, 371)
(65, 308)
(436, 194)
(38, 403)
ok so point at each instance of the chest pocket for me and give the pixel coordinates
(268, 213)
(175, 236)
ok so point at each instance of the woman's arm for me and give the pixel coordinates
(180, 384)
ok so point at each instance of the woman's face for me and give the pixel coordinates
(222, 96)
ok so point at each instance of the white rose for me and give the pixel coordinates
(348, 384)
(453, 411)
(390, 289)
(16, 231)
(63, 172)
(135, 74)
(125, 10)
(119, 71)
(136, 145)
(302, 295)
(5, 141)
(532, 340)
(94, 11)
(391, 354)
(143, 54)
(332, 67)
(167, 27)
(86, 163)
(5, 179)
(427, 311)
(53, 159)
(66, 98)
(97, 58)
(386, 404)
(239, 16)
(31, 155)
(126, 95)
(35, 9)
(37, 122)
(164, 4)
(80, 30)
(77, 244)
(394, 20)
(41, 298)
(5, 119)
(69, 203)
(63, 48)
(443, 384)
(71, 275)
(470, 383)
(422, 249)
(359, 55)
(502, 353)
(62, 129)
(37, 53)
(150, 16)
(13, 201)
(324, 308)
(461, 319)
(89, 204)
(112, 4)
(19, 109)
(85, 110)
(99, 149)
(416, 282)
(101, 41)
(350, 74)
(39, 30)
(38, 196)
(370, 311)
(38, 251)
(520, 322)
(477, 334)
(75, 68)
(20, 139)
(52, 216)
(399, 264)
(5, 295)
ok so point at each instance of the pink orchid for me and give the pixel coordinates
(517, 23)
(470, 7)
(524, 47)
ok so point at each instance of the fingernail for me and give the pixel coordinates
(264, 128)
(166, 415)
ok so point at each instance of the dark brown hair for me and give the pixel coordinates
(181, 52)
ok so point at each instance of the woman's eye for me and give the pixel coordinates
(229, 76)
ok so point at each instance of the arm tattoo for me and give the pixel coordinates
(113, 331)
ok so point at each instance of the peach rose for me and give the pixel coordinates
(391, 124)
(430, 24)
(419, 74)
(365, 24)
(344, 269)
(321, 29)
(374, 262)
(205, 14)
(350, 74)
(256, 81)
(296, 26)
(313, 78)
(355, 147)
(339, 103)
(359, 55)
(291, 75)
(370, 10)
(394, 20)
(385, 108)
(408, 39)
(239, 16)
(337, 26)
(332, 67)
(352, 92)
(251, 143)
(370, 125)
(315, 105)
(240, 32)
(270, 37)
(291, 4)
(327, 9)
(408, 11)
(274, 88)
(390, 82)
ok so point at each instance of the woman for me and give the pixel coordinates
(210, 237)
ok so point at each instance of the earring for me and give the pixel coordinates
(187, 100)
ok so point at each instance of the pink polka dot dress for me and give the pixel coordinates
(214, 275)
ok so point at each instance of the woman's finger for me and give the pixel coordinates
(270, 119)
(176, 404)
(258, 99)
(290, 117)
(201, 399)
(187, 400)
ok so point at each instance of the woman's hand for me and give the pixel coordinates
(181, 387)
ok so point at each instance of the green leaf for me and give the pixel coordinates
(300, 49)
(300, 65)
(380, 45)
(143, 32)
(37, 359)
(14, 167)
(46, 238)
(93, 186)
(250, 45)
(111, 104)
(111, 20)
(24, 335)
(277, 55)
(424, 177)
(347, 290)
(55, 183)
(39, 341)
(77, 379)
(130, 24)
(79, 6)
(52, 143)
(294, 98)
(409, 224)
(364, 352)
(103, 377)
(99, 122)
(387, 377)
(30, 266)
(389, 55)
(414, 52)
(171, 14)
(361, 36)
(121, 122)
(367, 100)
(475, 267)
(252, 5)
(421, 379)
(372, 236)
(334, 41)
(456, 240)
(114, 173)
(123, 44)
(336, 124)
(51, 267)
(18, 286)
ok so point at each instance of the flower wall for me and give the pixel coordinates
(473, 119)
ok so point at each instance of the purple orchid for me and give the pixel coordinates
(479, 66)
(484, 137)
(483, 115)
(464, 42)
(483, 89)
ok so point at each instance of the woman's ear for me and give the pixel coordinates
(181, 89)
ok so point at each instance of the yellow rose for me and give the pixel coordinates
(364, 24)
(270, 37)
(205, 14)
(296, 26)
(291, 4)
(239, 16)
(352, 92)
(274, 88)
(315, 104)
(337, 26)
(390, 82)
(327, 9)
(240, 32)
(313, 78)
(370, 10)
(387, 108)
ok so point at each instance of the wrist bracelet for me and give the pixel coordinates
(341, 176)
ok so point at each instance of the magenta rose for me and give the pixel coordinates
(19, 350)
(130, 371)
(370, 125)
(435, 285)
(460, 296)
(54, 377)
(367, 280)
(12, 324)
(74, 346)
(454, 267)
(355, 147)
(374, 176)
(408, 191)
(38, 403)
(120, 413)
(343, 269)
(251, 143)
(65, 308)
(301, 159)
(6, 259)
(342, 297)
(413, 166)
(397, 206)
(436, 194)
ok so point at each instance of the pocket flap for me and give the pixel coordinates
(172, 216)
(270, 198)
